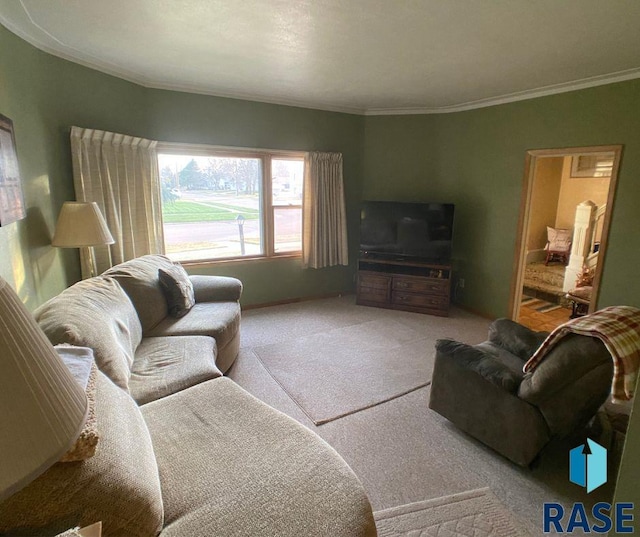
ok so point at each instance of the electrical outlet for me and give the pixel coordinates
(461, 283)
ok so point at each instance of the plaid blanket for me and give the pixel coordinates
(619, 329)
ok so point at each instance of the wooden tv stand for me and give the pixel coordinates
(404, 285)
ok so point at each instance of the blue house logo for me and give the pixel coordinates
(588, 465)
(588, 468)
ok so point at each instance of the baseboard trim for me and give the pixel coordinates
(295, 300)
(475, 311)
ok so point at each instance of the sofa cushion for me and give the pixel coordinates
(249, 469)
(165, 365)
(119, 485)
(178, 290)
(219, 320)
(95, 313)
(139, 278)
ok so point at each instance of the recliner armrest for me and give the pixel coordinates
(485, 364)
(216, 288)
(515, 338)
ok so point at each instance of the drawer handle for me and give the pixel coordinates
(402, 285)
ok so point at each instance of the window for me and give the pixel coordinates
(592, 165)
(286, 190)
(227, 204)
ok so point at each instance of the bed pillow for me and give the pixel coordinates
(177, 289)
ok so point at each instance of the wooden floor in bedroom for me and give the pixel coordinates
(543, 321)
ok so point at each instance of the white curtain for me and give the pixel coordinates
(119, 173)
(324, 241)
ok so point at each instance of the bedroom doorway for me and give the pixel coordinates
(565, 213)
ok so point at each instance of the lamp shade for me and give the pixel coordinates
(42, 407)
(81, 224)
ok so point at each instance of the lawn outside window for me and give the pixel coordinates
(224, 203)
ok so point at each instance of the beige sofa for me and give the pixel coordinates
(197, 455)
(123, 316)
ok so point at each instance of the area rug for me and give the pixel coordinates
(337, 372)
(476, 513)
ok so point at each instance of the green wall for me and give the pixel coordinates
(476, 160)
(45, 96)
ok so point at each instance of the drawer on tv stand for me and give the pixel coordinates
(421, 285)
(373, 288)
(419, 300)
(374, 281)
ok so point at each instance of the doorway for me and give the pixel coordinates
(565, 213)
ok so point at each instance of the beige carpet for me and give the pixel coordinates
(476, 513)
(341, 371)
(334, 358)
(400, 450)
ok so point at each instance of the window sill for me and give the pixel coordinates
(239, 260)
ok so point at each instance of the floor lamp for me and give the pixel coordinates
(81, 225)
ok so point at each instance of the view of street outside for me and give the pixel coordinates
(212, 206)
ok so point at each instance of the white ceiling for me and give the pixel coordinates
(359, 56)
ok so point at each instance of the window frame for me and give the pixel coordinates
(267, 224)
(290, 155)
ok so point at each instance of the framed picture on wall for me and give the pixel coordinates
(592, 165)
(11, 199)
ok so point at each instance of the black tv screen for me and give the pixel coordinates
(398, 230)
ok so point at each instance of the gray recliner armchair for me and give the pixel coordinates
(483, 391)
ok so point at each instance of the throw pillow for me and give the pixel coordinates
(80, 362)
(559, 239)
(178, 290)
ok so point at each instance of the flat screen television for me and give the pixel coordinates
(406, 231)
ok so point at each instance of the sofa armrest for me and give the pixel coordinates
(482, 363)
(216, 288)
(515, 338)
